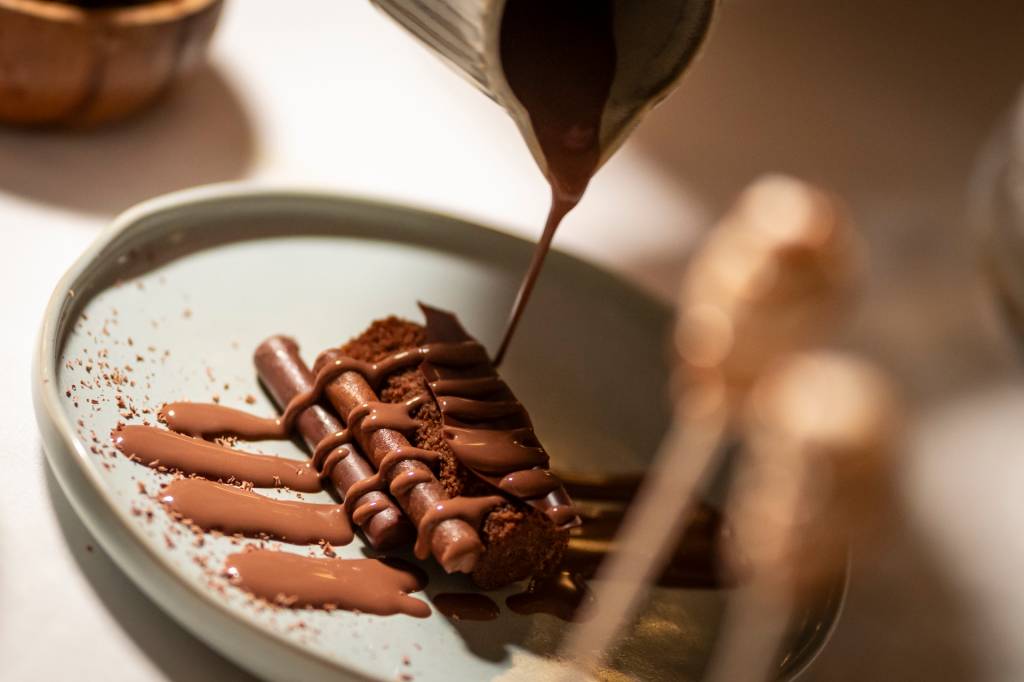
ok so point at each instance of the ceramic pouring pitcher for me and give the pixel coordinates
(654, 40)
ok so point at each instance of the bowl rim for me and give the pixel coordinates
(151, 12)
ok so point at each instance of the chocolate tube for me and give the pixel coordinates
(285, 375)
(454, 543)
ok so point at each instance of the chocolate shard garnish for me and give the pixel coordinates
(487, 429)
(454, 543)
(285, 375)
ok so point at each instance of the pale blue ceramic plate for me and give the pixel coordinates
(182, 288)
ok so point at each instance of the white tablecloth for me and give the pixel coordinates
(880, 101)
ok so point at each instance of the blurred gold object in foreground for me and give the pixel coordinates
(819, 432)
(770, 278)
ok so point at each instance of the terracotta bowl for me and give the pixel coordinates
(65, 65)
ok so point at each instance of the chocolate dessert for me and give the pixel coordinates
(491, 470)
(413, 429)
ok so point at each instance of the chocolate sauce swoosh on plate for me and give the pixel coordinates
(153, 446)
(227, 508)
(365, 585)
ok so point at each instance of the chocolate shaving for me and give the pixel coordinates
(285, 375)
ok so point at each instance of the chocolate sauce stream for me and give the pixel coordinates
(285, 375)
(214, 506)
(365, 585)
(154, 447)
(559, 60)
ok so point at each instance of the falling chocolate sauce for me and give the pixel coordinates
(559, 60)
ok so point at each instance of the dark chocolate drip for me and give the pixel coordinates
(561, 595)
(559, 60)
(466, 605)
(364, 585)
(695, 563)
(487, 429)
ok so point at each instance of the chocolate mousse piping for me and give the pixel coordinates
(384, 467)
(561, 595)
(364, 585)
(367, 416)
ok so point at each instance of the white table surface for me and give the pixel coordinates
(881, 101)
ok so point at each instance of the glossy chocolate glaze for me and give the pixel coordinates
(466, 605)
(497, 444)
(559, 60)
(694, 564)
(364, 585)
(472, 510)
(454, 544)
(229, 509)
